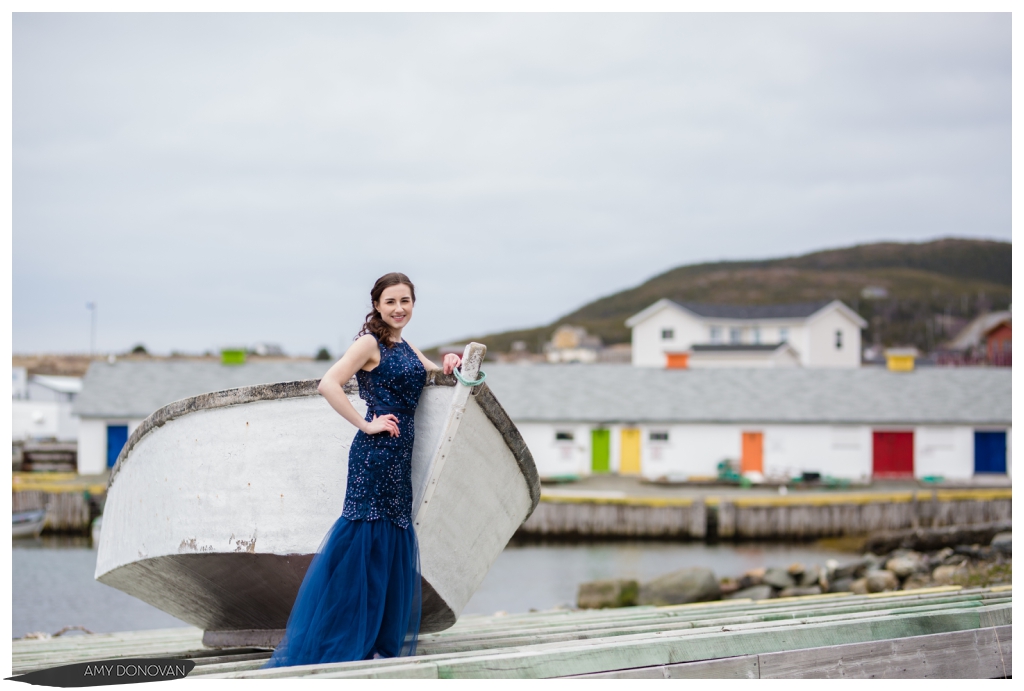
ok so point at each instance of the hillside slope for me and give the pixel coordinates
(933, 288)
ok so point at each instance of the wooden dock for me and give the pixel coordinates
(67, 498)
(946, 632)
(791, 517)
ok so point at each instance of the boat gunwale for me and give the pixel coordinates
(225, 398)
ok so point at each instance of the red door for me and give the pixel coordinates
(894, 454)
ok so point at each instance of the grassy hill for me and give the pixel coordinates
(933, 288)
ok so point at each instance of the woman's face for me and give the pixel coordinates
(395, 306)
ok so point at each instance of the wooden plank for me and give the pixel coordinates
(742, 667)
(979, 654)
(658, 649)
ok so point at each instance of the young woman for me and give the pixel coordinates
(360, 598)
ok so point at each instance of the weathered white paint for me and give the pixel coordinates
(812, 337)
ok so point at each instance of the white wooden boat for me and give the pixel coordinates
(28, 523)
(217, 503)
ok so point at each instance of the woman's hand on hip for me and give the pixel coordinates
(451, 361)
(382, 423)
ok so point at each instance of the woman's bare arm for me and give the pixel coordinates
(361, 353)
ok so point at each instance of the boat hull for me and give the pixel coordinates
(217, 504)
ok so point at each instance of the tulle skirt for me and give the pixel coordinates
(360, 597)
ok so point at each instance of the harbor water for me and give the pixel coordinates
(53, 584)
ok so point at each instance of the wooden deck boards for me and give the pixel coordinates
(901, 634)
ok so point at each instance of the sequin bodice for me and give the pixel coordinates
(379, 465)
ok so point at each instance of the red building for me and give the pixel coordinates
(997, 344)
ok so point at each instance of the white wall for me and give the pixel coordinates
(821, 341)
(92, 443)
(945, 451)
(841, 451)
(691, 450)
(648, 347)
(814, 341)
(717, 359)
(556, 458)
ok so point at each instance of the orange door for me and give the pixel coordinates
(753, 452)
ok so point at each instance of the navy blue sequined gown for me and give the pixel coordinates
(361, 593)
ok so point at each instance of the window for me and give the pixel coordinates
(735, 335)
(659, 436)
(563, 436)
(783, 334)
(667, 334)
(757, 334)
(839, 340)
(716, 334)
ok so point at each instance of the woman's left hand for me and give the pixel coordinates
(451, 361)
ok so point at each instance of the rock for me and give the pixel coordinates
(778, 578)
(752, 577)
(940, 556)
(859, 586)
(903, 566)
(758, 592)
(880, 580)
(797, 591)
(728, 586)
(810, 577)
(947, 574)
(795, 569)
(695, 584)
(619, 592)
(843, 585)
(1003, 542)
(854, 569)
(830, 567)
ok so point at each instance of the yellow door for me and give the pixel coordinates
(630, 464)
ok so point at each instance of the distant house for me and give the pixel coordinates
(853, 423)
(984, 340)
(572, 344)
(674, 335)
(116, 397)
(42, 406)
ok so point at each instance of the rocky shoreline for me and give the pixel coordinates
(971, 565)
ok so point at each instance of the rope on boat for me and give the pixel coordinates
(466, 382)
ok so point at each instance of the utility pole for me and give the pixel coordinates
(91, 306)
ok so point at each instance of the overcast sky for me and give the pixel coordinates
(218, 179)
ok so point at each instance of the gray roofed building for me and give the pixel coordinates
(620, 393)
(135, 389)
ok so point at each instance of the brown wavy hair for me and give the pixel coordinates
(374, 324)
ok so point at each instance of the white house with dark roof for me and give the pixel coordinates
(683, 335)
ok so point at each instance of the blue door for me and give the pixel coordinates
(117, 437)
(990, 452)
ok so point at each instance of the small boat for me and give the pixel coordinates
(217, 503)
(28, 523)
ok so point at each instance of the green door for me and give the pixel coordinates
(600, 444)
